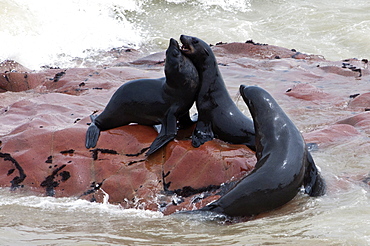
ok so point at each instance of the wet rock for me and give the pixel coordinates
(73, 81)
(361, 121)
(48, 145)
(12, 66)
(153, 59)
(331, 134)
(349, 68)
(44, 116)
(361, 101)
(307, 92)
(18, 81)
(231, 51)
(123, 56)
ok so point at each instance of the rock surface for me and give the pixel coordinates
(44, 116)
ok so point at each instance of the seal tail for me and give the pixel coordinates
(92, 134)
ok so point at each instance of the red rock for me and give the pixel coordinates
(15, 81)
(361, 121)
(43, 128)
(361, 101)
(339, 71)
(153, 59)
(260, 51)
(12, 66)
(349, 68)
(307, 92)
(122, 56)
(48, 144)
(330, 134)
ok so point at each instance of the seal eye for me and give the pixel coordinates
(195, 41)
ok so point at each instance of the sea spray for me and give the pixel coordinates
(58, 32)
(78, 33)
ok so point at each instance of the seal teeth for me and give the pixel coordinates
(184, 48)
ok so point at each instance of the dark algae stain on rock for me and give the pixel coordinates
(49, 160)
(65, 175)
(187, 191)
(50, 183)
(103, 151)
(10, 172)
(66, 152)
(18, 179)
(137, 154)
(133, 162)
(58, 76)
(165, 185)
(95, 186)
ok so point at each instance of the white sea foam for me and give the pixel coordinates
(54, 33)
(70, 205)
(39, 32)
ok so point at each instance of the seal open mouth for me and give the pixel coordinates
(185, 48)
(186, 44)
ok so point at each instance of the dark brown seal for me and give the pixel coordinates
(218, 116)
(152, 101)
(283, 162)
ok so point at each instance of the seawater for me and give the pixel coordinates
(41, 32)
(56, 33)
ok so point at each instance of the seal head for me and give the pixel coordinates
(283, 162)
(152, 101)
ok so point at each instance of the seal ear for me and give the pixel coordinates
(206, 51)
(314, 184)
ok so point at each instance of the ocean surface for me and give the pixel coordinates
(60, 33)
(40, 32)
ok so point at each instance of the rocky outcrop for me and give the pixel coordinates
(44, 116)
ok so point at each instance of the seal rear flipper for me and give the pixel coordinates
(159, 142)
(92, 134)
(314, 184)
(201, 134)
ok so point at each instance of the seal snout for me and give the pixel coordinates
(173, 42)
(243, 90)
(249, 91)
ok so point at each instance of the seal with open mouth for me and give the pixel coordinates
(218, 116)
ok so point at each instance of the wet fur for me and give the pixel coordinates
(218, 116)
(283, 162)
(152, 101)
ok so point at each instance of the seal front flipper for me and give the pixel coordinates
(201, 134)
(92, 134)
(314, 184)
(167, 133)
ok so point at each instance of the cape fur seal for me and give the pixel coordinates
(283, 162)
(218, 116)
(152, 101)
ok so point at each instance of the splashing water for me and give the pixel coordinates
(61, 33)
